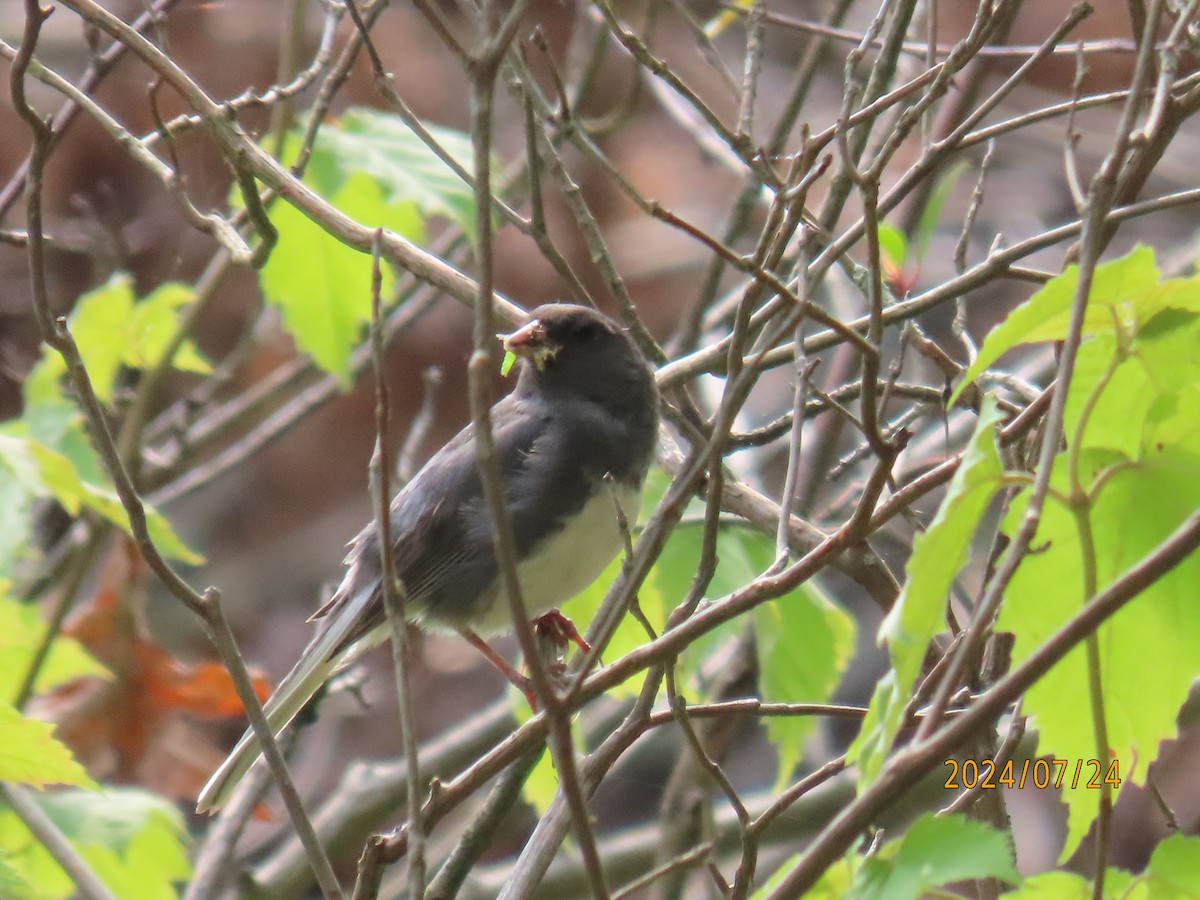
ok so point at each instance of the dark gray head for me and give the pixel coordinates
(574, 350)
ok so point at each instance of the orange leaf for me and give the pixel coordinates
(138, 727)
(204, 689)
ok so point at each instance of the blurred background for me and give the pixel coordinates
(274, 528)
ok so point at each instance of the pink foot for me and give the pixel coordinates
(561, 629)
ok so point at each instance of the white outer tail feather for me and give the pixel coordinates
(317, 664)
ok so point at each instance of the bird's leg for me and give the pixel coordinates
(521, 682)
(561, 628)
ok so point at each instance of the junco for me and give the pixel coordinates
(585, 406)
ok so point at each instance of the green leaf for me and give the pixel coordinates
(885, 716)
(834, 883)
(893, 244)
(1056, 886)
(21, 633)
(98, 325)
(803, 640)
(1139, 504)
(106, 502)
(1116, 418)
(1174, 420)
(373, 168)
(507, 363)
(1173, 872)
(935, 850)
(23, 464)
(382, 147)
(30, 754)
(1124, 293)
(1118, 885)
(542, 783)
(47, 453)
(153, 324)
(55, 422)
(112, 330)
(321, 286)
(15, 507)
(804, 644)
(805, 618)
(12, 883)
(919, 612)
(42, 472)
(133, 840)
(933, 207)
(1157, 372)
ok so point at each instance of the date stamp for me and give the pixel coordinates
(1040, 773)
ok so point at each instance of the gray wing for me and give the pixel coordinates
(442, 530)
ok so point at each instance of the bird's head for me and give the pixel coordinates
(555, 328)
(574, 346)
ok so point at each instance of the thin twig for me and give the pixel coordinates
(42, 827)
(392, 590)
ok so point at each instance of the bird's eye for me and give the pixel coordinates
(587, 332)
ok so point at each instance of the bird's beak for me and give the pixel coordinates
(531, 342)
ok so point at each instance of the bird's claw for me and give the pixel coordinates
(560, 628)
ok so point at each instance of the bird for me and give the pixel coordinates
(574, 439)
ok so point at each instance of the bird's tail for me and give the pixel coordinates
(325, 655)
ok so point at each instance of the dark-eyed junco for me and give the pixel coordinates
(585, 406)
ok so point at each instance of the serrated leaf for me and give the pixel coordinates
(1124, 293)
(30, 754)
(22, 464)
(933, 851)
(942, 550)
(881, 724)
(113, 329)
(106, 502)
(42, 472)
(321, 286)
(804, 641)
(1139, 504)
(809, 676)
(386, 150)
(919, 613)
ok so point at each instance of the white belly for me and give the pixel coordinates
(563, 565)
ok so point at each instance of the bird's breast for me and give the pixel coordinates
(569, 559)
